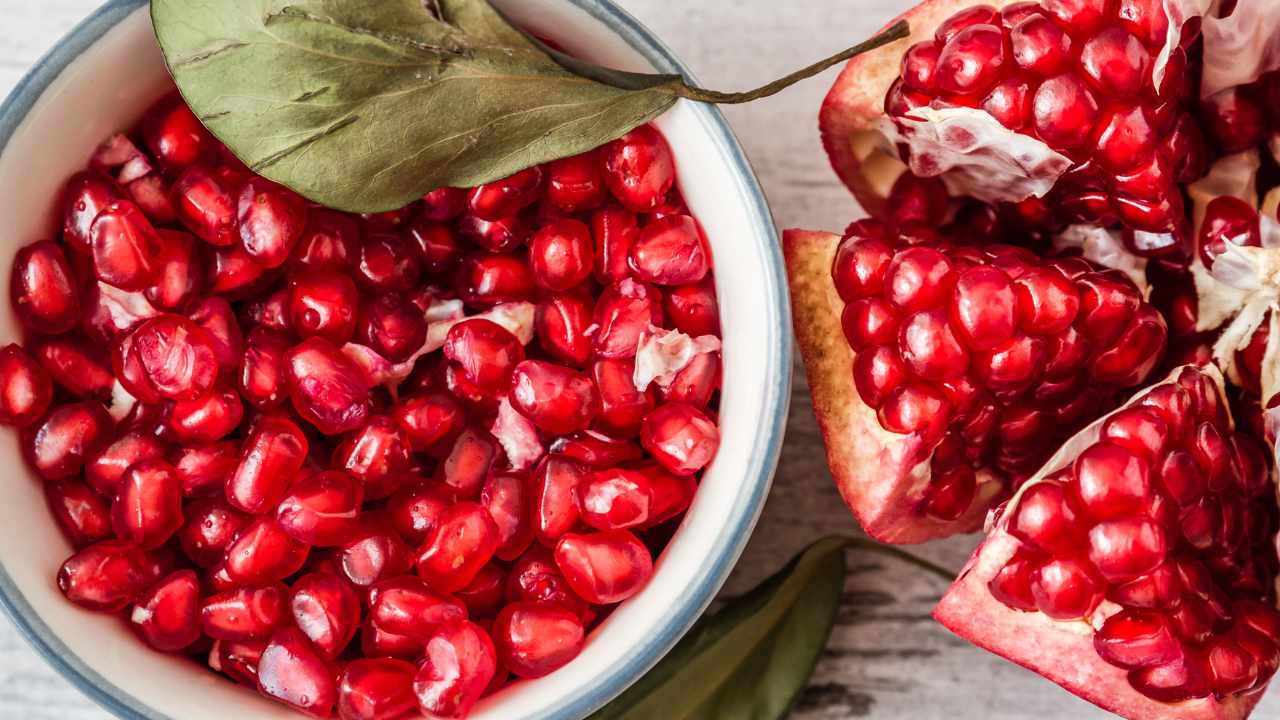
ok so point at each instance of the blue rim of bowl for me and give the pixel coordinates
(741, 518)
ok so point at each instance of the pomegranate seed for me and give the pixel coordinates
(262, 371)
(69, 436)
(211, 525)
(293, 672)
(180, 277)
(1111, 481)
(85, 197)
(167, 357)
(75, 367)
(693, 309)
(467, 465)
(330, 241)
(485, 351)
(574, 184)
(595, 450)
(1137, 639)
(557, 399)
(244, 614)
(460, 662)
(502, 198)
(1124, 549)
(438, 245)
(25, 387)
(106, 468)
(379, 643)
(536, 578)
(555, 484)
(616, 499)
(327, 389)
(485, 594)
(322, 509)
(263, 553)
(168, 615)
(107, 576)
(376, 689)
(43, 289)
(377, 455)
(207, 419)
(561, 255)
(429, 421)
(639, 169)
(464, 539)
(377, 553)
(174, 135)
(534, 640)
(680, 437)
(624, 311)
(407, 606)
(615, 232)
(126, 248)
(443, 204)
(387, 264)
(233, 273)
(326, 609)
(273, 453)
(505, 497)
(147, 510)
(670, 251)
(604, 567)
(323, 303)
(1233, 120)
(215, 315)
(486, 279)
(415, 509)
(392, 326)
(272, 219)
(561, 324)
(1066, 589)
(205, 204)
(203, 469)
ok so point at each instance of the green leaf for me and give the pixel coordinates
(752, 658)
(365, 106)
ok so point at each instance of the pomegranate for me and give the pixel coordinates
(268, 427)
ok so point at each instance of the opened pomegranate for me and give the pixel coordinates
(268, 428)
(1069, 199)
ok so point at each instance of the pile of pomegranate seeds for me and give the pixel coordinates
(460, 431)
(989, 354)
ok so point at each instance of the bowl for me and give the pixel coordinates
(101, 77)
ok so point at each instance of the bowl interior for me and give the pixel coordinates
(107, 87)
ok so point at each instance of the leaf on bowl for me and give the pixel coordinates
(754, 656)
(365, 106)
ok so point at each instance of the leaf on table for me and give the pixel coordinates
(752, 658)
(366, 106)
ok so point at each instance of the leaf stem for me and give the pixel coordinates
(898, 31)
(875, 547)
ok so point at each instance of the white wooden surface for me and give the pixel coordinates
(887, 658)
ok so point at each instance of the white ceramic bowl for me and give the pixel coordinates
(99, 80)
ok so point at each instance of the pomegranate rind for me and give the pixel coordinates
(1058, 651)
(852, 114)
(880, 475)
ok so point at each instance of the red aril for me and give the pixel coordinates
(486, 279)
(535, 639)
(293, 672)
(595, 450)
(327, 610)
(557, 399)
(438, 245)
(322, 509)
(561, 255)
(263, 553)
(464, 470)
(624, 311)
(392, 326)
(460, 661)
(639, 169)
(147, 510)
(43, 290)
(506, 498)
(262, 369)
(167, 357)
(505, 197)
(680, 437)
(575, 184)
(60, 445)
(604, 567)
(616, 499)
(415, 509)
(272, 219)
(106, 576)
(464, 539)
(377, 553)
(181, 272)
(408, 606)
(273, 454)
(203, 469)
(105, 470)
(670, 251)
(86, 195)
(376, 689)
(207, 419)
(206, 205)
(555, 483)
(233, 273)
(484, 351)
(536, 578)
(615, 232)
(330, 241)
(323, 303)
(326, 387)
(561, 324)
(429, 421)
(387, 264)
(249, 613)
(167, 616)
(83, 515)
(215, 315)
(175, 136)
(209, 528)
(126, 247)
(693, 309)
(486, 593)
(377, 454)
(25, 387)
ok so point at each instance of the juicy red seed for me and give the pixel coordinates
(506, 197)
(74, 366)
(264, 553)
(622, 407)
(83, 515)
(147, 510)
(327, 610)
(273, 453)
(595, 450)
(920, 67)
(554, 498)
(250, 613)
(126, 248)
(622, 313)
(323, 303)
(911, 409)
(330, 241)
(533, 640)
(326, 387)
(1115, 62)
(167, 357)
(561, 255)
(617, 499)
(387, 263)
(25, 387)
(930, 349)
(262, 369)
(615, 232)
(468, 463)
(394, 327)
(68, 437)
(460, 662)
(414, 509)
(293, 672)
(377, 455)
(557, 399)
(1048, 302)
(680, 437)
(1234, 121)
(207, 419)
(693, 309)
(106, 576)
(168, 615)
(917, 279)
(1045, 519)
(376, 689)
(86, 195)
(1228, 221)
(486, 279)
(43, 289)
(575, 184)
(206, 205)
(506, 497)
(376, 554)
(1111, 481)
(1124, 549)
(215, 315)
(1040, 46)
(233, 274)
(429, 421)
(971, 60)
(1141, 430)
(1134, 639)
(463, 540)
(984, 309)
(322, 509)
(561, 323)
(486, 352)
(670, 251)
(408, 606)
(639, 168)
(1012, 585)
(107, 467)
(501, 235)
(1064, 112)
(1066, 589)
(272, 219)
(211, 525)
(604, 567)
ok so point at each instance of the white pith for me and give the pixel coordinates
(661, 354)
(517, 435)
(1106, 248)
(1240, 48)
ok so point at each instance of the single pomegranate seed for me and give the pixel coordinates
(407, 606)
(322, 509)
(429, 421)
(147, 510)
(506, 498)
(1137, 639)
(327, 611)
(443, 204)
(323, 303)
(83, 515)
(693, 309)
(680, 437)
(262, 369)
(107, 576)
(168, 615)
(68, 437)
(42, 289)
(615, 232)
(624, 311)
(206, 205)
(25, 387)
(561, 255)
(622, 407)
(75, 367)
(180, 277)
(670, 251)
(484, 351)
(555, 484)
(272, 219)
(387, 263)
(106, 468)
(485, 594)
(376, 689)
(126, 248)
(415, 509)
(293, 672)
(85, 197)
(263, 553)
(574, 184)
(605, 567)
(392, 326)
(438, 245)
(595, 450)
(639, 168)
(377, 553)
(536, 578)
(561, 324)
(1045, 519)
(1111, 481)
(534, 639)
(1228, 221)
(558, 400)
(459, 664)
(167, 357)
(463, 540)
(502, 198)
(211, 525)
(232, 273)
(1066, 589)
(237, 660)
(1234, 120)
(203, 469)
(250, 613)
(377, 454)
(330, 241)
(486, 279)
(500, 235)
(327, 389)
(215, 315)
(174, 135)
(617, 499)
(207, 419)
(273, 453)
(465, 468)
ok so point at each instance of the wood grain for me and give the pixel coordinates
(887, 659)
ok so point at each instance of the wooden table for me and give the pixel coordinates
(887, 658)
